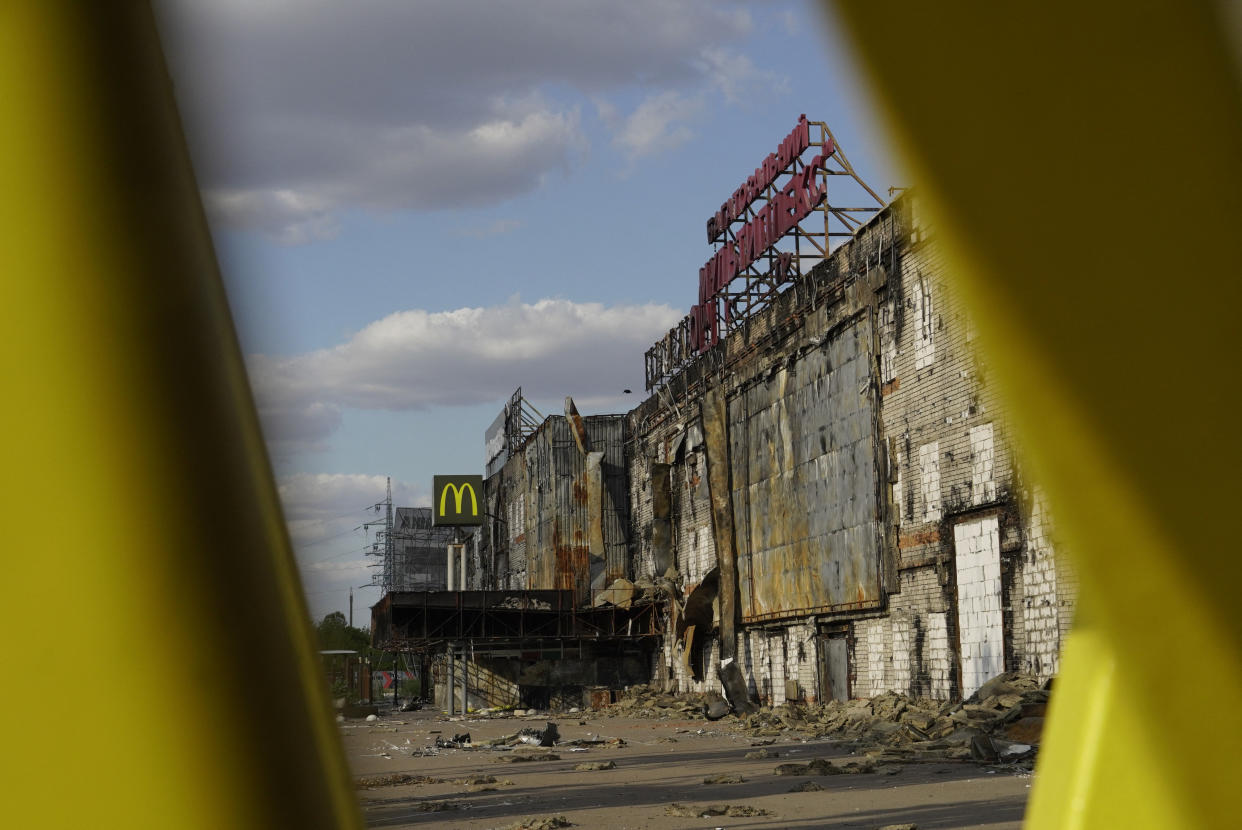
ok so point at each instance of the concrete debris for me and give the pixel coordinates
(394, 779)
(475, 780)
(1001, 723)
(620, 593)
(900, 827)
(597, 765)
(548, 736)
(760, 754)
(646, 702)
(517, 757)
(436, 806)
(411, 705)
(725, 779)
(703, 811)
(372, 718)
(717, 709)
(544, 823)
(456, 742)
(527, 603)
(826, 766)
(806, 787)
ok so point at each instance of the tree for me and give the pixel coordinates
(334, 632)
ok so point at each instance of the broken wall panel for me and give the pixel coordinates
(564, 514)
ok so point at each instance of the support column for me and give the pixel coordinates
(451, 686)
(451, 570)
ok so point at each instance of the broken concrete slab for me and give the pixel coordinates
(760, 754)
(826, 766)
(395, 779)
(703, 811)
(596, 765)
(724, 779)
(436, 806)
(806, 787)
(519, 757)
(540, 823)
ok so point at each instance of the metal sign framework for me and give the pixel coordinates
(768, 211)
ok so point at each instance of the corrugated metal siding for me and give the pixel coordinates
(804, 475)
(547, 482)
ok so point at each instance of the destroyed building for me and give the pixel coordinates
(819, 498)
(882, 533)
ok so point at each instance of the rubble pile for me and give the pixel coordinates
(539, 823)
(706, 810)
(646, 702)
(1000, 723)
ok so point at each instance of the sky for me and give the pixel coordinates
(420, 206)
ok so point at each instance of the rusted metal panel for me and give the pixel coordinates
(595, 508)
(661, 522)
(575, 540)
(804, 467)
(576, 427)
(716, 439)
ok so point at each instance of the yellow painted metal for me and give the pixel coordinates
(147, 570)
(1082, 166)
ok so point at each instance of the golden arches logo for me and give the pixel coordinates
(450, 510)
(458, 493)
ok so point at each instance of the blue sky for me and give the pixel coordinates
(527, 180)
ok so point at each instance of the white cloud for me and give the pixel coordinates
(658, 124)
(298, 111)
(319, 507)
(737, 78)
(416, 359)
(325, 514)
(415, 167)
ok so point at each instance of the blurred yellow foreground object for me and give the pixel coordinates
(1082, 165)
(161, 665)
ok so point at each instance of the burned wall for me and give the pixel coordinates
(552, 503)
(878, 511)
(804, 476)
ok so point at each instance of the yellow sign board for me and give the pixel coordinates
(456, 500)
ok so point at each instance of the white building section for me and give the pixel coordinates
(979, 620)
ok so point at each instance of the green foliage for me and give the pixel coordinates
(334, 632)
(409, 689)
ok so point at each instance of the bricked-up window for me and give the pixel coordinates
(929, 473)
(982, 480)
(888, 358)
(897, 491)
(517, 517)
(924, 344)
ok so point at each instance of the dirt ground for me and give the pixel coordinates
(661, 762)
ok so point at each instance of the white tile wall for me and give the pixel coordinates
(876, 655)
(938, 655)
(924, 337)
(901, 655)
(982, 480)
(979, 619)
(929, 471)
(1040, 596)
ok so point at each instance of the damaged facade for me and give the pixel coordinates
(882, 534)
(823, 505)
(827, 499)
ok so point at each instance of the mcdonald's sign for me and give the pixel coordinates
(457, 500)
